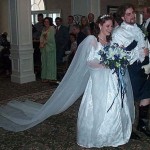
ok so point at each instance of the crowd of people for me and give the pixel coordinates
(62, 36)
(106, 114)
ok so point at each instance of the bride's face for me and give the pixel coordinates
(107, 27)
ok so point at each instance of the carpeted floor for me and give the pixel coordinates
(57, 132)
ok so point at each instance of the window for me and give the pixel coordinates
(37, 6)
(46, 13)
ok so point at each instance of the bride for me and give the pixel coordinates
(96, 126)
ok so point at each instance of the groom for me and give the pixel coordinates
(125, 34)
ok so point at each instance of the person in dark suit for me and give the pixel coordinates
(70, 23)
(145, 99)
(146, 21)
(5, 53)
(36, 33)
(92, 24)
(61, 38)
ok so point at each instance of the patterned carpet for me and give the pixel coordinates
(57, 132)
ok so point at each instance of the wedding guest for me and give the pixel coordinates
(70, 28)
(79, 35)
(84, 26)
(48, 51)
(146, 21)
(36, 33)
(92, 24)
(5, 53)
(61, 38)
(70, 23)
(38, 27)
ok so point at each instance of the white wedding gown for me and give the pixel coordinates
(97, 127)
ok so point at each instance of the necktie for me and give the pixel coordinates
(57, 29)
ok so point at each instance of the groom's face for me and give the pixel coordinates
(129, 16)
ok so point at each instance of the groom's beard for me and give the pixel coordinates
(132, 21)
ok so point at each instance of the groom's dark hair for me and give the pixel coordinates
(122, 9)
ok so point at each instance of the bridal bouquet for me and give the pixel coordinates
(116, 58)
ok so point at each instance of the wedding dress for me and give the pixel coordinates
(102, 119)
(97, 127)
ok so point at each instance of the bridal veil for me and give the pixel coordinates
(18, 116)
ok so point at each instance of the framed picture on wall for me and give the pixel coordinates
(111, 9)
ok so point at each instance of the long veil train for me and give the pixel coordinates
(18, 116)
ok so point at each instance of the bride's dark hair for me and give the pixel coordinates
(101, 20)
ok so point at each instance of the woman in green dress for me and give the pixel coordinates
(48, 51)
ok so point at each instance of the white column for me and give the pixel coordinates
(83, 7)
(21, 41)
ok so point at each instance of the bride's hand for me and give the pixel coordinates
(103, 65)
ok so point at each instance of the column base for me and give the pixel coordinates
(23, 79)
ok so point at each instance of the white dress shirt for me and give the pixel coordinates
(125, 34)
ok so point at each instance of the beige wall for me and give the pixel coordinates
(64, 5)
(112, 3)
(4, 24)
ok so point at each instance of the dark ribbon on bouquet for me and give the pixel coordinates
(121, 85)
(120, 73)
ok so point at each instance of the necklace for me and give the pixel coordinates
(103, 42)
(102, 39)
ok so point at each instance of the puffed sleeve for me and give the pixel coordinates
(94, 58)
